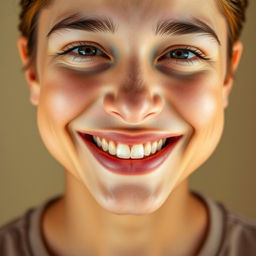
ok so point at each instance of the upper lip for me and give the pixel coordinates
(131, 138)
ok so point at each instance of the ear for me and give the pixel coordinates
(30, 71)
(237, 50)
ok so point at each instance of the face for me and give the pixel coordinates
(159, 70)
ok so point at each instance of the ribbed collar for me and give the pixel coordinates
(210, 247)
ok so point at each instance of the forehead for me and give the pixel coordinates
(130, 13)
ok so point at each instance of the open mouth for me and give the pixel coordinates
(133, 159)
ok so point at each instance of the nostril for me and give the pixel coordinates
(150, 114)
(116, 113)
(133, 108)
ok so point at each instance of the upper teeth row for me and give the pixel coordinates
(125, 151)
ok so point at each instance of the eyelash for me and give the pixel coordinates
(193, 50)
(76, 45)
(198, 53)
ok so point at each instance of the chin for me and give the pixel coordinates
(127, 202)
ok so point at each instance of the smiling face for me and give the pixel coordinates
(151, 67)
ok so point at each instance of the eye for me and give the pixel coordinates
(82, 51)
(181, 54)
(83, 55)
(182, 59)
(185, 54)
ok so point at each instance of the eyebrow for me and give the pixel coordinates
(163, 27)
(167, 27)
(92, 24)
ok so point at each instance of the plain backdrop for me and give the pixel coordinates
(29, 174)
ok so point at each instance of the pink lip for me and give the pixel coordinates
(131, 139)
(130, 166)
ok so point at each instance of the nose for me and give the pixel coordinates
(134, 100)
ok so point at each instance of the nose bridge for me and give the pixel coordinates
(133, 80)
(134, 99)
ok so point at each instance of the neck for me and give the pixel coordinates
(92, 230)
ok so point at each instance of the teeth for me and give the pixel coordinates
(137, 151)
(154, 147)
(104, 145)
(125, 151)
(99, 142)
(112, 148)
(147, 149)
(159, 145)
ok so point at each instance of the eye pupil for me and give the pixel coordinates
(180, 54)
(87, 50)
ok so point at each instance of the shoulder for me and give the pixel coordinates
(239, 234)
(22, 235)
(229, 233)
(14, 236)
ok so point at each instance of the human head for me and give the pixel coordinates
(131, 86)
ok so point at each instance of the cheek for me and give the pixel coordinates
(65, 95)
(199, 102)
(196, 99)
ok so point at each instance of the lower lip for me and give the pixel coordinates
(130, 166)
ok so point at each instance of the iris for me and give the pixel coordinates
(181, 54)
(87, 50)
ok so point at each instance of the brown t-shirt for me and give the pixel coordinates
(229, 234)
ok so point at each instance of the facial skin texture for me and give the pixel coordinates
(132, 90)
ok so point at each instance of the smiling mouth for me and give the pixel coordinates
(133, 162)
(128, 151)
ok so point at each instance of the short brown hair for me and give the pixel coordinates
(233, 10)
(30, 10)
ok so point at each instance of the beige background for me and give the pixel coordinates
(29, 174)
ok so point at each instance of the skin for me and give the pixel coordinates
(102, 213)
